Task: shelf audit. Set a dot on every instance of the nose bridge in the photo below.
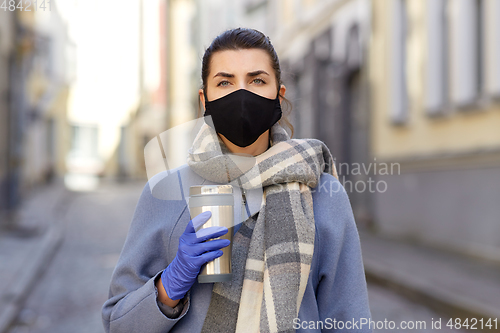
(241, 83)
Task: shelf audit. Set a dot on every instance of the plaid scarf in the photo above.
(272, 251)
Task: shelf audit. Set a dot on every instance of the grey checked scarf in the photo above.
(272, 250)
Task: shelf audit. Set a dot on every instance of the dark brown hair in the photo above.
(244, 38)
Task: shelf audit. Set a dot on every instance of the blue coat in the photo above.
(335, 296)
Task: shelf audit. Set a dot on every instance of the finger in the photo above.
(210, 232)
(198, 221)
(190, 228)
(213, 245)
(209, 256)
(201, 219)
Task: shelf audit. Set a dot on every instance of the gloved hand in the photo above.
(193, 252)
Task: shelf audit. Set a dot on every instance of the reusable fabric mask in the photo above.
(243, 116)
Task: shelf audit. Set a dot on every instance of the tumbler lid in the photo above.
(210, 189)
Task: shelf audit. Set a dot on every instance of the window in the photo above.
(466, 51)
(399, 91)
(436, 88)
(492, 47)
(479, 45)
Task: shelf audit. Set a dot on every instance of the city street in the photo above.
(377, 93)
(68, 298)
(386, 304)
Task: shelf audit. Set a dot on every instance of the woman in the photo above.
(296, 260)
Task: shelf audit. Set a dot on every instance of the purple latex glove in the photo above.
(194, 251)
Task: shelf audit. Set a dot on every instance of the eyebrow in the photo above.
(251, 74)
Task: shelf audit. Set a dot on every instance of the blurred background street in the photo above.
(405, 93)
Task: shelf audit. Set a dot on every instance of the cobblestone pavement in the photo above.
(68, 298)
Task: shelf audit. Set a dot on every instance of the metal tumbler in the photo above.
(219, 200)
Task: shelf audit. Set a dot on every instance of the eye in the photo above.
(259, 81)
(222, 83)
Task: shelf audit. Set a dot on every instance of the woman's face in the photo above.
(248, 69)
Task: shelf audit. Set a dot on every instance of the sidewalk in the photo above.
(27, 250)
(448, 283)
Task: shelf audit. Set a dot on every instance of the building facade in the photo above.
(8, 188)
(34, 85)
(435, 81)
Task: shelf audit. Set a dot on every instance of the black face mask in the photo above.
(243, 116)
